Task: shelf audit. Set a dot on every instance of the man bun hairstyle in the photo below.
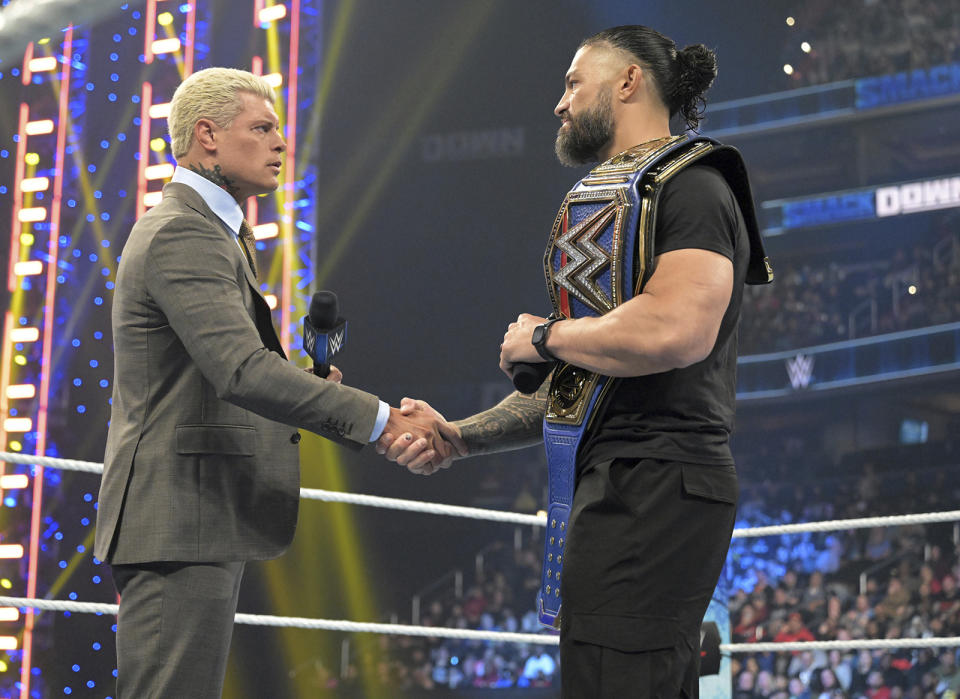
(696, 70)
(681, 77)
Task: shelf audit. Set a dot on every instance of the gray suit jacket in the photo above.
(202, 462)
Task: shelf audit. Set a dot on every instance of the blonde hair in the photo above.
(210, 94)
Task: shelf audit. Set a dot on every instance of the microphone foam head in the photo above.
(324, 309)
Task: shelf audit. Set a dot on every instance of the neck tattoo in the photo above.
(217, 177)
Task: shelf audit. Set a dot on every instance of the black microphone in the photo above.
(527, 377)
(324, 331)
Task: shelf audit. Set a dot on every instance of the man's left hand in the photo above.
(517, 346)
(335, 375)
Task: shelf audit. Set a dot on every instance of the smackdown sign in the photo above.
(783, 215)
(925, 195)
(908, 86)
(830, 101)
(830, 208)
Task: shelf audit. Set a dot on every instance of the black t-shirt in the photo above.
(684, 415)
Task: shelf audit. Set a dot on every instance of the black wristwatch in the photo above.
(539, 339)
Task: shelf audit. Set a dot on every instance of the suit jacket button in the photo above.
(295, 438)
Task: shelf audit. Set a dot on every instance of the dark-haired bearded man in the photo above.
(645, 268)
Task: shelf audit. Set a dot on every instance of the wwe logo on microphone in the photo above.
(800, 371)
(323, 345)
(335, 341)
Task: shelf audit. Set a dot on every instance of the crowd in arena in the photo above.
(814, 304)
(871, 583)
(500, 599)
(872, 37)
(901, 582)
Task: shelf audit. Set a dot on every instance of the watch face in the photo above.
(537, 337)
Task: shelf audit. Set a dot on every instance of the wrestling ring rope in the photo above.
(498, 516)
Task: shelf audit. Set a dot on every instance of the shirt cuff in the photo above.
(382, 416)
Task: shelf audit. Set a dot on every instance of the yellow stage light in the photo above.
(158, 172)
(39, 127)
(14, 481)
(35, 184)
(17, 424)
(28, 268)
(158, 144)
(21, 390)
(24, 335)
(161, 46)
(152, 199)
(160, 111)
(11, 551)
(266, 230)
(32, 214)
(42, 64)
(272, 13)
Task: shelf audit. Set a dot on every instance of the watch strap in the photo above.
(541, 344)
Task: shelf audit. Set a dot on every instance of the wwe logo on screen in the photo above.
(335, 341)
(800, 371)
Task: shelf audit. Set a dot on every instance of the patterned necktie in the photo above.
(249, 244)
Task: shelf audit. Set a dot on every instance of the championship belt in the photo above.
(599, 256)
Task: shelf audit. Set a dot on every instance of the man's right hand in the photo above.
(418, 437)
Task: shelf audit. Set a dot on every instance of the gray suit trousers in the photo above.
(174, 628)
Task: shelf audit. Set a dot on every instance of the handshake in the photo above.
(418, 437)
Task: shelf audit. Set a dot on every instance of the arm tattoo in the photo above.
(515, 422)
(217, 177)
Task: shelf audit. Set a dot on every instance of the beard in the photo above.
(586, 135)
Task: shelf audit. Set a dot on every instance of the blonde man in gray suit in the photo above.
(202, 464)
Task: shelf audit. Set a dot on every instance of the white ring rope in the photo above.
(432, 508)
(305, 623)
(473, 635)
(50, 462)
(516, 517)
(860, 644)
(498, 516)
(317, 494)
(832, 525)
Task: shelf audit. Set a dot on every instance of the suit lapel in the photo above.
(262, 318)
